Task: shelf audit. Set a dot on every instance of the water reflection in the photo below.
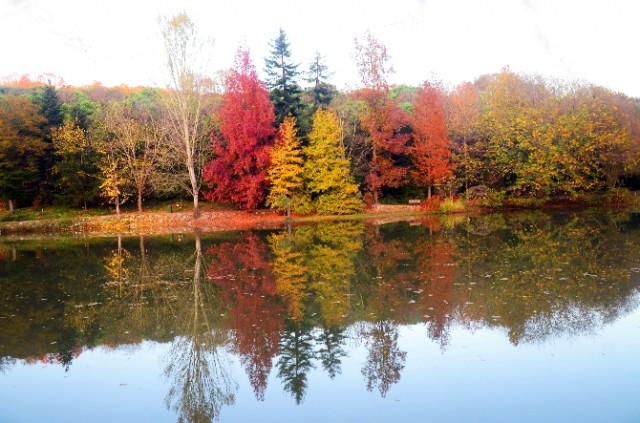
(299, 299)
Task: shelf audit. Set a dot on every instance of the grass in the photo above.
(49, 213)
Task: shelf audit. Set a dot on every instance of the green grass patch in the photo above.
(48, 213)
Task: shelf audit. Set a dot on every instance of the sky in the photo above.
(119, 42)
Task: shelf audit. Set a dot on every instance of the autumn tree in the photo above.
(285, 172)
(463, 112)
(242, 146)
(383, 121)
(282, 79)
(184, 101)
(326, 168)
(76, 168)
(21, 148)
(134, 135)
(430, 151)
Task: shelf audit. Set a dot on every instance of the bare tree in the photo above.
(187, 140)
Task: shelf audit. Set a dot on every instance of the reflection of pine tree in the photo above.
(296, 352)
(331, 341)
(385, 359)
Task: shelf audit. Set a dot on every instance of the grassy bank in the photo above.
(176, 216)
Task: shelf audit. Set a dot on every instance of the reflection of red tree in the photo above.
(248, 285)
(395, 278)
(435, 264)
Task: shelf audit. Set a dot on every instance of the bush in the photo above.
(492, 199)
(452, 205)
(432, 204)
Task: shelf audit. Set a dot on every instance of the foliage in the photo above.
(327, 170)
(77, 166)
(282, 80)
(285, 172)
(430, 151)
(383, 120)
(242, 149)
(21, 149)
(132, 138)
(452, 205)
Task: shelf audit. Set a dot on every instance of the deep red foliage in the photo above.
(242, 146)
(430, 152)
(248, 285)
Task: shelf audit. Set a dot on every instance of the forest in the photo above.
(296, 143)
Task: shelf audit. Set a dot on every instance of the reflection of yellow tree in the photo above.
(331, 266)
(385, 359)
(115, 263)
(198, 367)
(290, 273)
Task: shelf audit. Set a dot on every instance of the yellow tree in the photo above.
(326, 168)
(286, 167)
(77, 166)
(134, 137)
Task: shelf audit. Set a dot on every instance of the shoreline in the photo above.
(158, 223)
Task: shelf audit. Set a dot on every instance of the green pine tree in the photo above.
(282, 80)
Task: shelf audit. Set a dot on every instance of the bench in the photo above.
(414, 202)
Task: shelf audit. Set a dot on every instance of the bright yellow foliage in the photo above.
(327, 170)
(285, 172)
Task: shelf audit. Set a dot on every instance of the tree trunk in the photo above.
(118, 205)
(11, 206)
(196, 206)
(288, 211)
(140, 200)
(429, 192)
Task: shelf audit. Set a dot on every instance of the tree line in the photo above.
(295, 142)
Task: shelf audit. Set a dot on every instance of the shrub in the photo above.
(452, 205)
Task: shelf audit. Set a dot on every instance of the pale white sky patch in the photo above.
(119, 41)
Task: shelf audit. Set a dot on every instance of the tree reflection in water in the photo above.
(243, 271)
(385, 360)
(198, 364)
(300, 297)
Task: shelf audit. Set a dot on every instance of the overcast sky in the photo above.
(116, 41)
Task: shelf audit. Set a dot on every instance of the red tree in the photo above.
(383, 120)
(430, 152)
(242, 148)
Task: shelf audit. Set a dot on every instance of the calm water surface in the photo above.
(497, 318)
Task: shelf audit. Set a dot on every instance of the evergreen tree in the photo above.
(51, 109)
(327, 170)
(286, 168)
(321, 92)
(282, 80)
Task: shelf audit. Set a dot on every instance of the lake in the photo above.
(499, 318)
